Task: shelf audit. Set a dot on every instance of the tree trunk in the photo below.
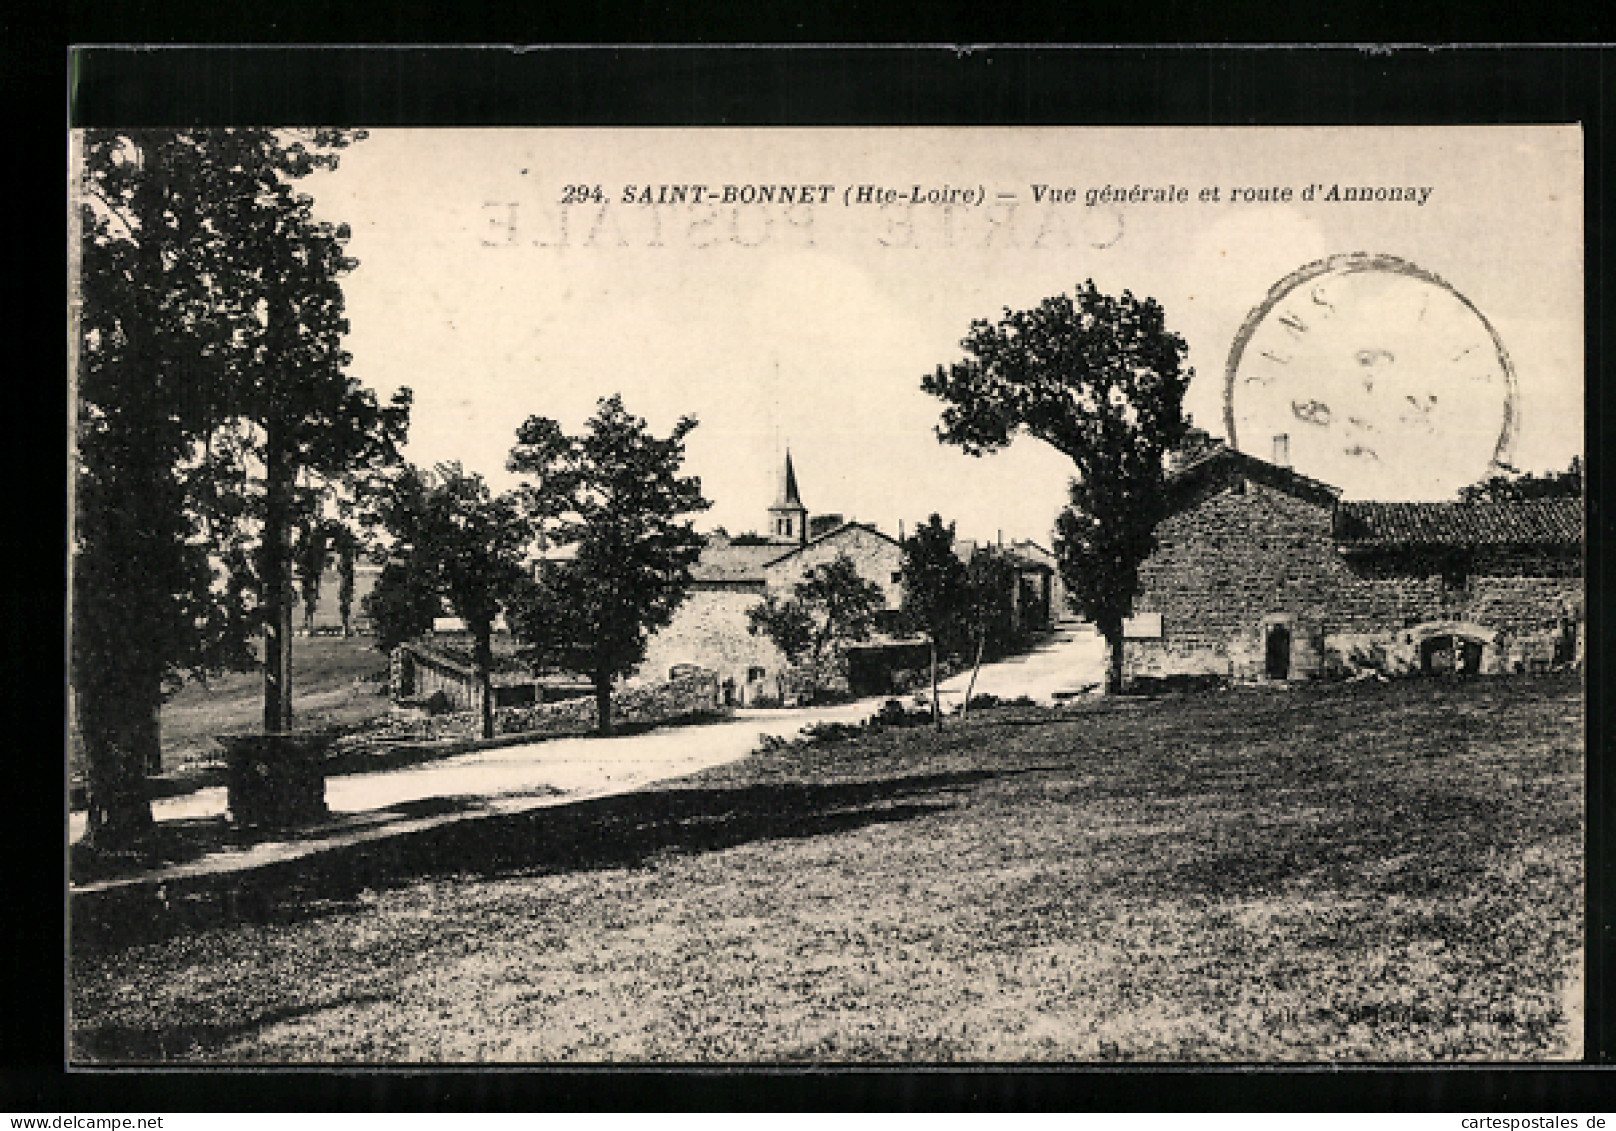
(936, 706)
(118, 592)
(976, 670)
(152, 739)
(277, 580)
(603, 703)
(485, 680)
(345, 591)
(115, 728)
(1112, 631)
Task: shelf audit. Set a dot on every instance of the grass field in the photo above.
(1345, 873)
(336, 681)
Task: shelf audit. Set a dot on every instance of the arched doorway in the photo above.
(1448, 647)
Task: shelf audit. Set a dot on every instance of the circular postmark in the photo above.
(1385, 380)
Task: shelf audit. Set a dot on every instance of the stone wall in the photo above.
(710, 627)
(1240, 562)
(647, 703)
(696, 694)
(431, 676)
(710, 631)
(878, 559)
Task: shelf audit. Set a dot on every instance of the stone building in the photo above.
(1039, 598)
(1037, 595)
(731, 577)
(1264, 573)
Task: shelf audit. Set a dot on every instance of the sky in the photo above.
(811, 326)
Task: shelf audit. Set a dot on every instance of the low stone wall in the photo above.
(696, 694)
(650, 703)
(1398, 653)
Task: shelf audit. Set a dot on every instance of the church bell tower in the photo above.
(788, 518)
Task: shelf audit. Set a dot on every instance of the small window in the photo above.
(897, 576)
(753, 674)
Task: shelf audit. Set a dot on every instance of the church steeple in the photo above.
(788, 518)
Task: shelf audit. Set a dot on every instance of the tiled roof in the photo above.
(734, 563)
(1530, 522)
(737, 564)
(1029, 555)
(1199, 463)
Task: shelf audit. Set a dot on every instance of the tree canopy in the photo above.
(611, 507)
(1513, 487)
(207, 301)
(831, 607)
(1102, 380)
(936, 586)
(456, 544)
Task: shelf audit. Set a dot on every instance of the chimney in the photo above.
(1282, 450)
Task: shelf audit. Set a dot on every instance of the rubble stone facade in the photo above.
(710, 629)
(1256, 576)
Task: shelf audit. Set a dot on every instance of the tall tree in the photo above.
(989, 613)
(936, 594)
(613, 508)
(192, 253)
(461, 545)
(311, 553)
(1100, 379)
(306, 413)
(347, 547)
(831, 607)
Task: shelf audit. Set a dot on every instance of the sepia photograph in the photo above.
(1053, 595)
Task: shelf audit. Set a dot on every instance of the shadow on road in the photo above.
(622, 831)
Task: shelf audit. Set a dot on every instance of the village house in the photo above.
(1264, 573)
(1037, 594)
(710, 629)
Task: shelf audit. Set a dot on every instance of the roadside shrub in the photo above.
(830, 732)
(1168, 684)
(438, 703)
(891, 712)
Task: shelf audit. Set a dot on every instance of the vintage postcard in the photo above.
(734, 596)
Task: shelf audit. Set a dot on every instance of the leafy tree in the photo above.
(786, 623)
(402, 605)
(457, 544)
(147, 341)
(207, 300)
(936, 595)
(989, 611)
(168, 277)
(311, 553)
(831, 607)
(1509, 488)
(612, 505)
(1101, 380)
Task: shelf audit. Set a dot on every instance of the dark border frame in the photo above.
(905, 86)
